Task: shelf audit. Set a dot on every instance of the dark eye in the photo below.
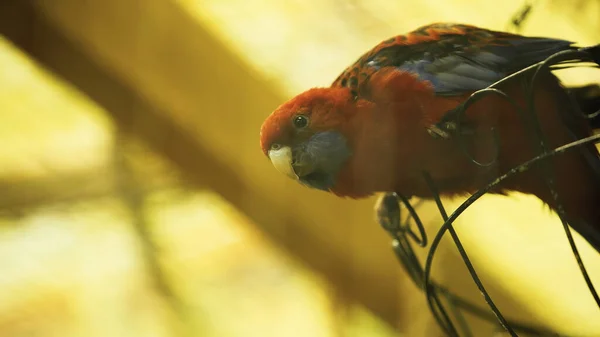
(275, 146)
(300, 121)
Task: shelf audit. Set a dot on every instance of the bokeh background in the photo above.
(135, 201)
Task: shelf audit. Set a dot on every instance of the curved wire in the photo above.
(474, 98)
(406, 255)
(388, 214)
(516, 170)
(550, 181)
(452, 125)
(592, 115)
(421, 240)
(538, 139)
(465, 257)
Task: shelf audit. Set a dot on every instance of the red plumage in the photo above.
(386, 102)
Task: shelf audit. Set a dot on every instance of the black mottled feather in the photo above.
(455, 58)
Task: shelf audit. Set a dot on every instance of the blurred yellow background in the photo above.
(135, 200)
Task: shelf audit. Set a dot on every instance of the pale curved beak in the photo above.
(282, 160)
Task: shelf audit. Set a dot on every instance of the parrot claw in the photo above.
(444, 132)
(387, 209)
(447, 130)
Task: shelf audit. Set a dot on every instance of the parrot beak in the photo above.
(282, 160)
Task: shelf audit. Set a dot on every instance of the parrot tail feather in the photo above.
(594, 51)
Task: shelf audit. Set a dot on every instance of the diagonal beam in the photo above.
(297, 230)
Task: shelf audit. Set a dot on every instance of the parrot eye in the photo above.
(300, 121)
(275, 146)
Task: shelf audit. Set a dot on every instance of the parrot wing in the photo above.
(456, 59)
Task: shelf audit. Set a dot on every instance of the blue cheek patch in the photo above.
(328, 152)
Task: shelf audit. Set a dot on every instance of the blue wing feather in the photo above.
(455, 59)
(460, 72)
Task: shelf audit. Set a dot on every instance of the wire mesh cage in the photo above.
(408, 232)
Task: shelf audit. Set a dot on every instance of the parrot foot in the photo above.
(387, 210)
(447, 130)
(444, 131)
(451, 125)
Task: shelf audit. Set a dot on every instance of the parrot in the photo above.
(378, 127)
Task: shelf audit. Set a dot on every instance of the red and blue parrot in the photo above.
(370, 131)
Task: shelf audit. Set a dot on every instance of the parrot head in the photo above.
(307, 137)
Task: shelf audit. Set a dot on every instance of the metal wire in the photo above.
(520, 17)
(450, 316)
